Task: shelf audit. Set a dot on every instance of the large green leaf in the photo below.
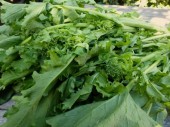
(12, 12)
(119, 111)
(24, 113)
(44, 108)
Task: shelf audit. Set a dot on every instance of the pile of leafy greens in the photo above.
(70, 66)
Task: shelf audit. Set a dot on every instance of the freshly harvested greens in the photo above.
(70, 66)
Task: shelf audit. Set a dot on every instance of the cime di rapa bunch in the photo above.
(65, 65)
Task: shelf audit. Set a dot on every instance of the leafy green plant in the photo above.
(89, 67)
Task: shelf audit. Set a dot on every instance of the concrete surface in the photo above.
(167, 122)
(160, 17)
(2, 120)
(3, 109)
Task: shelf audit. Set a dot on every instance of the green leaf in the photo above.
(43, 110)
(82, 59)
(86, 90)
(139, 98)
(67, 89)
(57, 15)
(21, 65)
(70, 13)
(27, 104)
(12, 12)
(158, 113)
(154, 92)
(166, 80)
(33, 25)
(65, 2)
(119, 111)
(33, 10)
(5, 29)
(102, 84)
(10, 76)
(10, 41)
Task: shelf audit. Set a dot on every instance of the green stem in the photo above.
(154, 54)
(150, 56)
(150, 68)
(153, 44)
(149, 109)
(131, 84)
(128, 29)
(111, 17)
(156, 37)
(141, 24)
(26, 40)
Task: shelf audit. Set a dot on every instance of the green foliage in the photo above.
(143, 3)
(89, 67)
(99, 115)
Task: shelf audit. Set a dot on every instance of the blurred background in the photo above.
(138, 3)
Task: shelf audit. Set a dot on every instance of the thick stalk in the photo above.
(156, 37)
(131, 84)
(150, 68)
(150, 56)
(92, 12)
(141, 24)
